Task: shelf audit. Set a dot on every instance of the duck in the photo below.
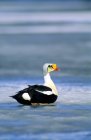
(39, 94)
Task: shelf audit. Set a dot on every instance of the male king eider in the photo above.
(39, 94)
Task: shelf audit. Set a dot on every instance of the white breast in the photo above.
(26, 96)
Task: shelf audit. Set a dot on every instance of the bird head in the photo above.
(47, 68)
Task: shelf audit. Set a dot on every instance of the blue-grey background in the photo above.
(35, 32)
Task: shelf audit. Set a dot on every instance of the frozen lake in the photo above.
(69, 118)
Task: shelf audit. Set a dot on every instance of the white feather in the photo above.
(26, 96)
(45, 92)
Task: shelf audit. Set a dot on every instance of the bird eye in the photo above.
(50, 66)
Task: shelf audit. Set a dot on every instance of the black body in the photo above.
(36, 95)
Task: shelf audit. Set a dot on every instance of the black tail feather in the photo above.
(13, 96)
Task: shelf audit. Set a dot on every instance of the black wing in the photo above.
(32, 88)
(39, 97)
(40, 87)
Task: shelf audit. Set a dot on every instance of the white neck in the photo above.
(47, 78)
(49, 83)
